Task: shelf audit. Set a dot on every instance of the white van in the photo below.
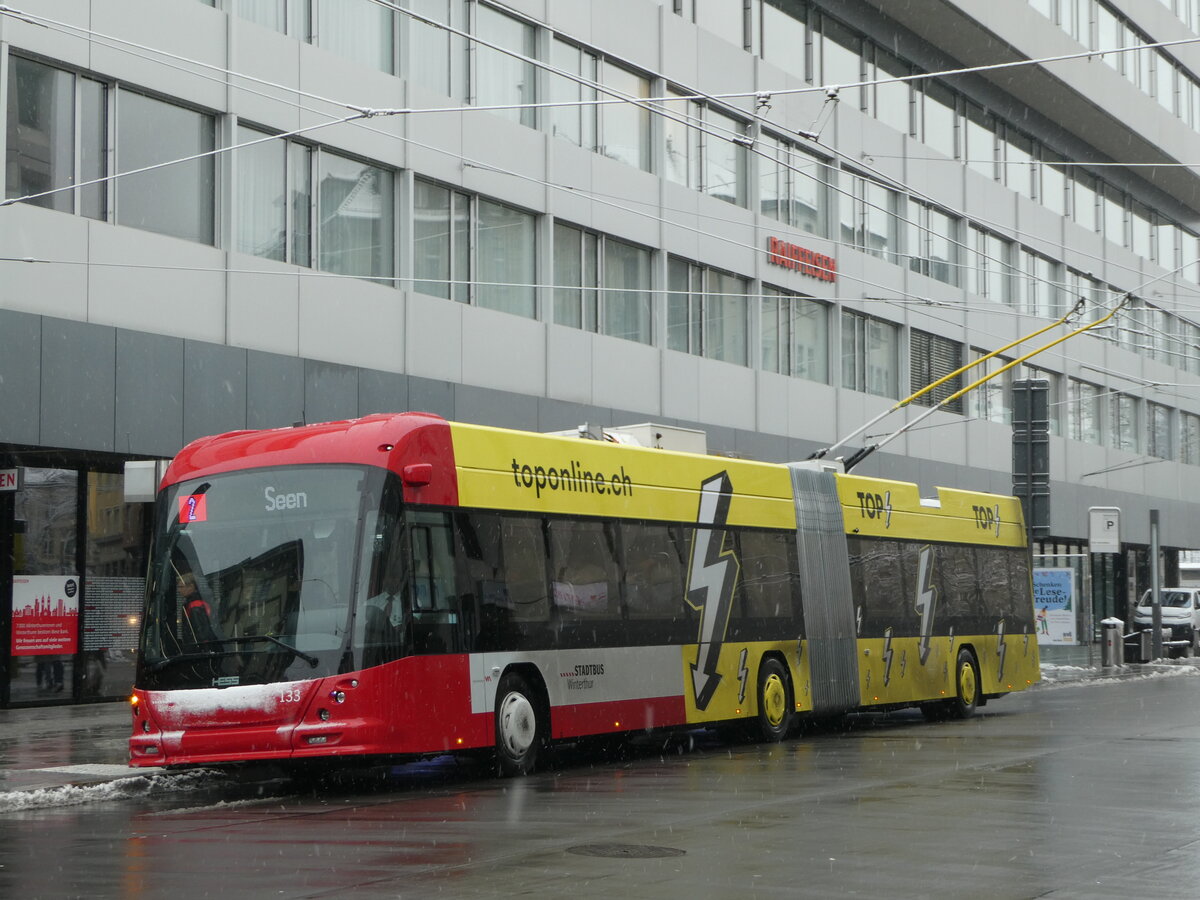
(1180, 616)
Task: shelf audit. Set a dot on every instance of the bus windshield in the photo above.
(252, 576)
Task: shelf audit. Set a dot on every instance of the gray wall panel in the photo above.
(482, 406)
(561, 415)
(149, 400)
(78, 384)
(330, 392)
(274, 390)
(20, 377)
(214, 389)
(431, 396)
(381, 392)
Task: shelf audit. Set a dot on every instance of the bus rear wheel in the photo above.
(967, 686)
(775, 706)
(520, 726)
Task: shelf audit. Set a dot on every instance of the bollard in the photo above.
(1112, 642)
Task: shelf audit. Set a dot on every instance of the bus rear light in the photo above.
(323, 714)
(316, 739)
(148, 750)
(337, 696)
(145, 726)
(458, 741)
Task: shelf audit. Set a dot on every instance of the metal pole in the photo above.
(1155, 596)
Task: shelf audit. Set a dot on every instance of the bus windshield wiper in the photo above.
(256, 638)
(212, 654)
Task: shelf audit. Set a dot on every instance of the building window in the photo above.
(56, 133)
(870, 220)
(979, 140)
(785, 35)
(1083, 411)
(1038, 285)
(707, 312)
(360, 30)
(499, 79)
(505, 242)
(870, 354)
(356, 218)
(1123, 427)
(795, 335)
(931, 358)
(601, 284)
(474, 250)
(932, 242)
(429, 54)
(991, 275)
(722, 18)
(274, 197)
(838, 61)
(176, 198)
(441, 241)
(991, 400)
(793, 186)
(1158, 431)
(618, 130)
(1189, 438)
(892, 101)
(938, 119)
(705, 149)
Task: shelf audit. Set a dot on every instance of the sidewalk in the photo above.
(63, 746)
(55, 746)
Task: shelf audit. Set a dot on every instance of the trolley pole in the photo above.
(1155, 597)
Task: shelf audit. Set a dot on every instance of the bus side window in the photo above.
(767, 567)
(584, 582)
(654, 573)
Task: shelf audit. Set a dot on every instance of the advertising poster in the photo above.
(45, 614)
(1054, 605)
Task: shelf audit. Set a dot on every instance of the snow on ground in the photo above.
(1077, 676)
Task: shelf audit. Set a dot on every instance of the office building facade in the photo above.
(770, 220)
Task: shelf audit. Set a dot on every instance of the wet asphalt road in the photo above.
(1089, 790)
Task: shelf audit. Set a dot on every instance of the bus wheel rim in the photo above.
(966, 683)
(518, 724)
(774, 700)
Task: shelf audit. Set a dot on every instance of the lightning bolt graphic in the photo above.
(997, 520)
(743, 675)
(711, 578)
(887, 505)
(1001, 648)
(926, 600)
(887, 657)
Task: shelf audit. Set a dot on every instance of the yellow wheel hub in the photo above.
(966, 683)
(774, 700)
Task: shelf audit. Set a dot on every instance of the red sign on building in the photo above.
(801, 259)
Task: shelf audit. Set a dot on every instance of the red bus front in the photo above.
(295, 606)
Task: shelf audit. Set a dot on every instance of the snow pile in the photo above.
(120, 789)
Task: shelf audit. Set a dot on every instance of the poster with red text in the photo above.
(45, 614)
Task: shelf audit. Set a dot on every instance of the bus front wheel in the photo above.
(520, 729)
(774, 700)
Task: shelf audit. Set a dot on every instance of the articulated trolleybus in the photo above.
(400, 585)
